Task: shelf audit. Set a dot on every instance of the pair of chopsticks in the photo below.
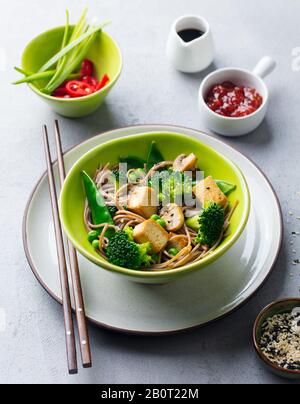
(63, 271)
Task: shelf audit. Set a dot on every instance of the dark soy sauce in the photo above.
(189, 35)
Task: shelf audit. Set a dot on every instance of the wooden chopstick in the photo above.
(66, 300)
(75, 274)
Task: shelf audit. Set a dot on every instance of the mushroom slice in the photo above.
(173, 216)
(185, 163)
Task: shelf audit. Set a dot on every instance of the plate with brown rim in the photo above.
(192, 301)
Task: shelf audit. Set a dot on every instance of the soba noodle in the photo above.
(190, 253)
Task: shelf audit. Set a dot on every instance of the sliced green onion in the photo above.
(42, 76)
(71, 46)
(80, 26)
(70, 67)
(36, 76)
(65, 38)
(22, 71)
(62, 61)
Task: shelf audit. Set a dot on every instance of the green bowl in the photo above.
(171, 145)
(277, 307)
(104, 53)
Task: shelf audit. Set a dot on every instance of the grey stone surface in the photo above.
(32, 346)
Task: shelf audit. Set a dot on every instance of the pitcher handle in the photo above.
(264, 67)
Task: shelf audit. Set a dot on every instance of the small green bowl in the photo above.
(104, 53)
(277, 307)
(171, 145)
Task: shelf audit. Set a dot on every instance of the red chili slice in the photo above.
(60, 92)
(76, 88)
(90, 80)
(103, 82)
(87, 68)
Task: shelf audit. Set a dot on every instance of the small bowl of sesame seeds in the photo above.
(276, 336)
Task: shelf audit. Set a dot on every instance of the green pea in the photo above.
(173, 251)
(155, 217)
(161, 222)
(93, 235)
(95, 244)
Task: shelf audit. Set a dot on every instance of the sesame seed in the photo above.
(280, 341)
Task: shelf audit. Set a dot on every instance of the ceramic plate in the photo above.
(192, 301)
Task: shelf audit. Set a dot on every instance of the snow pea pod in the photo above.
(154, 156)
(225, 187)
(99, 211)
(132, 162)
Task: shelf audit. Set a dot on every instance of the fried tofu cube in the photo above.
(152, 232)
(143, 201)
(208, 191)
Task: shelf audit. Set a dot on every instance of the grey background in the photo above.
(32, 345)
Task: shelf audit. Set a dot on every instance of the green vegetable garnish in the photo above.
(93, 235)
(95, 244)
(225, 187)
(99, 211)
(132, 162)
(125, 253)
(154, 156)
(86, 36)
(112, 210)
(62, 61)
(193, 222)
(31, 77)
(211, 224)
(129, 232)
(161, 222)
(173, 251)
(173, 185)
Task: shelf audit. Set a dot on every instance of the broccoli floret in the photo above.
(112, 210)
(129, 232)
(120, 176)
(193, 222)
(211, 222)
(125, 253)
(172, 185)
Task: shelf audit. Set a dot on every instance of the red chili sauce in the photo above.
(233, 101)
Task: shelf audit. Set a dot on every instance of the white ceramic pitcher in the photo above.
(193, 56)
